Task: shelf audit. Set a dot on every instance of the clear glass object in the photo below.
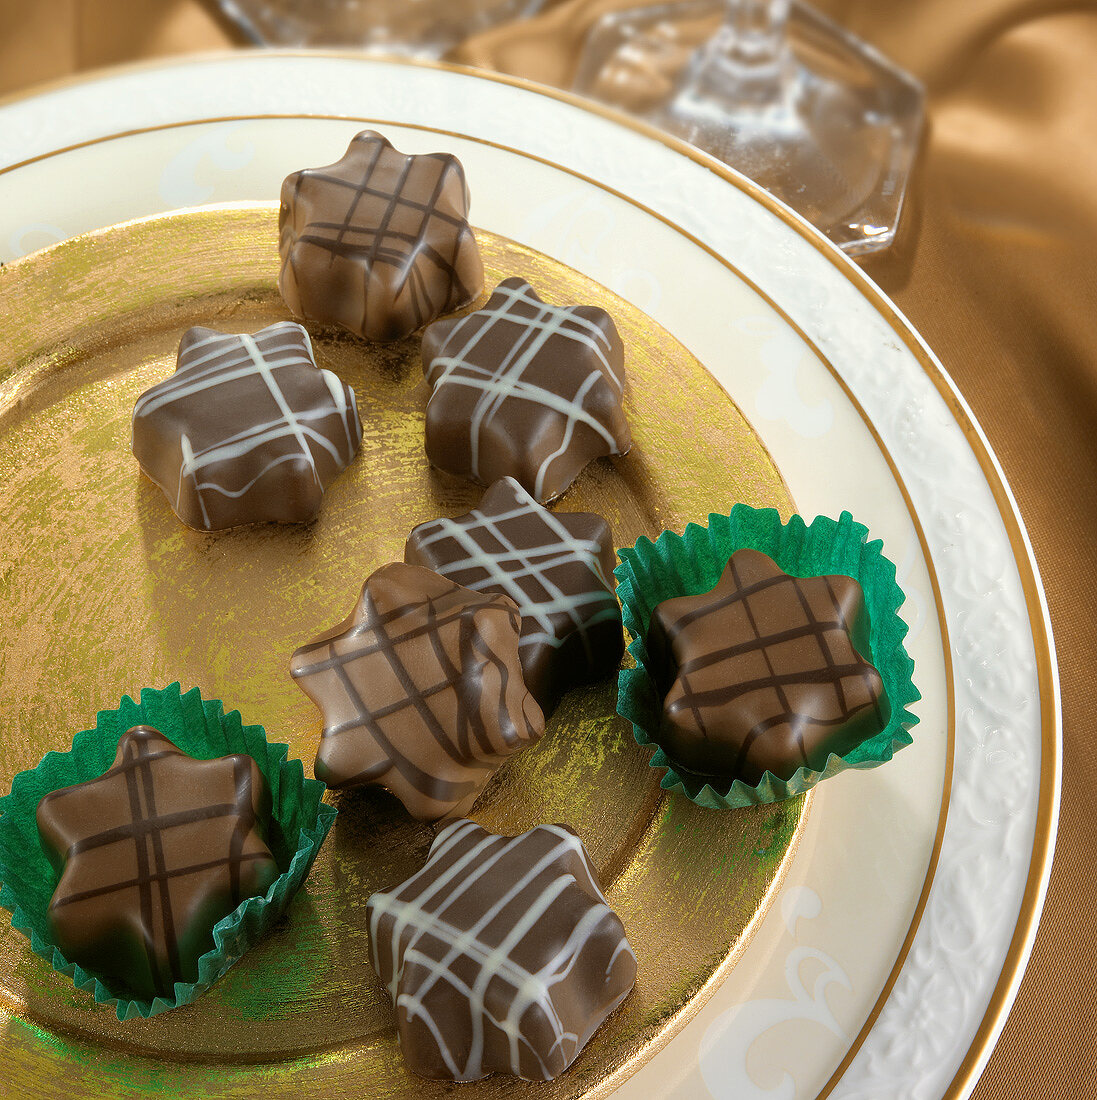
(777, 91)
(410, 28)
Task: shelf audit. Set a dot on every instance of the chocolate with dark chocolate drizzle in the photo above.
(378, 242)
(761, 673)
(153, 853)
(421, 691)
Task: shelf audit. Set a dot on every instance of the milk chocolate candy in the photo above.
(421, 691)
(378, 242)
(501, 955)
(558, 569)
(761, 673)
(524, 389)
(247, 428)
(153, 853)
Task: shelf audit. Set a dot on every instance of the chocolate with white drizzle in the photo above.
(247, 428)
(761, 672)
(378, 242)
(153, 853)
(421, 691)
(558, 569)
(525, 389)
(501, 955)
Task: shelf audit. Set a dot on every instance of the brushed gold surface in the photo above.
(103, 591)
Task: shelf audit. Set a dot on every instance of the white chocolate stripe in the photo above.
(192, 380)
(220, 358)
(550, 317)
(261, 365)
(506, 380)
(533, 562)
(527, 391)
(556, 969)
(196, 370)
(494, 962)
(565, 442)
(185, 468)
(339, 398)
(382, 901)
(465, 1073)
(259, 434)
(492, 563)
(233, 494)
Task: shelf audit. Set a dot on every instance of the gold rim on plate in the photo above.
(1039, 620)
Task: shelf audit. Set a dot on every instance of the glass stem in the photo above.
(748, 60)
(754, 31)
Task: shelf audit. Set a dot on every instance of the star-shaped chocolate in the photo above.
(247, 428)
(378, 242)
(524, 389)
(153, 853)
(762, 674)
(501, 955)
(558, 569)
(421, 691)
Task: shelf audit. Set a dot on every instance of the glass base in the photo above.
(401, 28)
(830, 127)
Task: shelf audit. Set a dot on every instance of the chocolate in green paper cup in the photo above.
(200, 728)
(691, 563)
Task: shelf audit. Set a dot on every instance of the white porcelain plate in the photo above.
(888, 961)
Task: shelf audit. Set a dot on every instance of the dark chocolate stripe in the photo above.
(369, 625)
(136, 746)
(363, 189)
(780, 719)
(359, 191)
(808, 630)
(376, 250)
(382, 231)
(387, 647)
(387, 635)
(245, 822)
(398, 197)
(420, 243)
(416, 777)
(118, 769)
(147, 828)
(828, 655)
(378, 713)
(454, 674)
(381, 238)
(503, 715)
(169, 873)
(147, 825)
(726, 693)
(742, 593)
(167, 914)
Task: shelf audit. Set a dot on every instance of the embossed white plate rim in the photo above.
(34, 127)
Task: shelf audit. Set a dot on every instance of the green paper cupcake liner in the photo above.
(691, 563)
(201, 728)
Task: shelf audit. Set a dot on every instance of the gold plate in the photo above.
(104, 592)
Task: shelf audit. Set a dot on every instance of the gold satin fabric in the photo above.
(994, 265)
